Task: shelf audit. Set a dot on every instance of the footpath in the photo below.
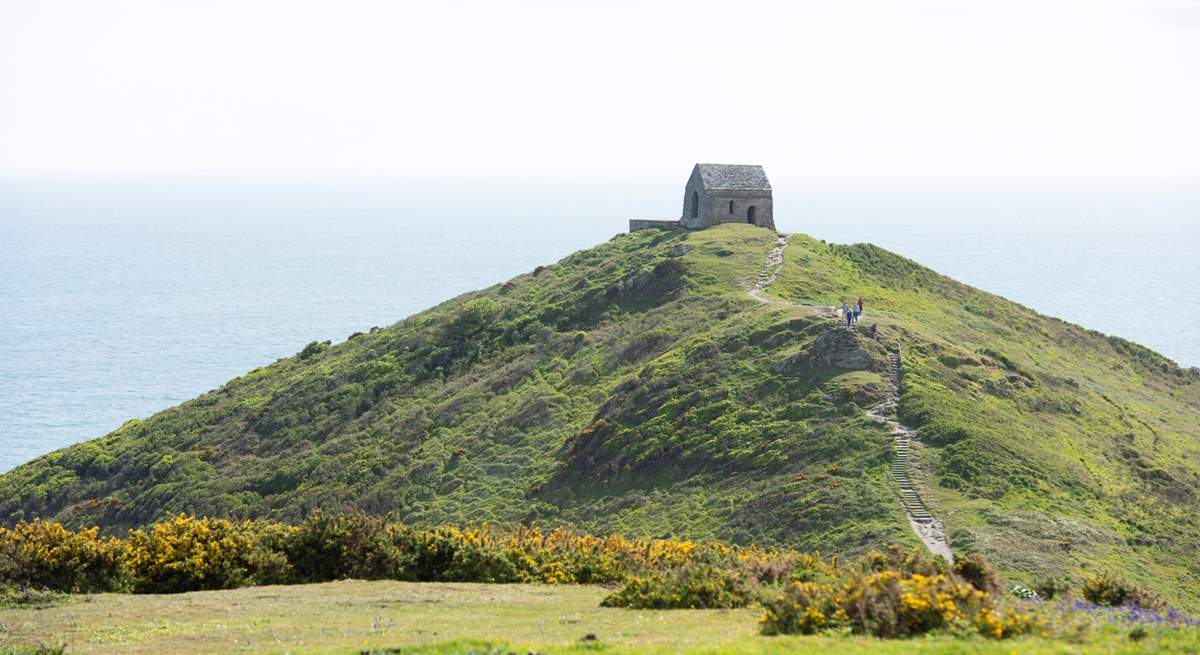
(928, 529)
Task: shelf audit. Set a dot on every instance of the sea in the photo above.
(120, 298)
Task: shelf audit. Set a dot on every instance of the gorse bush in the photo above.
(455, 555)
(47, 555)
(333, 547)
(715, 576)
(906, 561)
(1106, 589)
(885, 604)
(892, 594)
(975, 569)
(1004, 623)
(187, 553)
(696, 586)
(1052, 587)
(890, 605)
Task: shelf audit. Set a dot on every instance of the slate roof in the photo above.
(733, 176)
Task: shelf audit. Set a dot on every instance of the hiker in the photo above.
(848, 313)
(858, 312)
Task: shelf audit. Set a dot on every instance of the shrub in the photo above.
(906, 561)
(468, 555)
(475, 317)
(313, 349)
(771, 568)
(698, 586)
(803, 608)
(1050, 588)
(1106, 589)
(563, 556)
(891, 593)
(334, 547)
(29, 597)
(185, 553)
(887, 604)
(48, 555)
(975, 569)
(1004, 623)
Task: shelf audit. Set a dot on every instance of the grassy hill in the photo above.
(635, 387)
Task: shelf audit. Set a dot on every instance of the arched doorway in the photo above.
(750, 215)
(695, 204)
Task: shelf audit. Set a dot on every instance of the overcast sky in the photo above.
(958, 90)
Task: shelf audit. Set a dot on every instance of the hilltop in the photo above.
(637, 387)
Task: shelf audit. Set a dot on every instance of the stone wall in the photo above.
(695, 185)
(718, 207)
(645, 224)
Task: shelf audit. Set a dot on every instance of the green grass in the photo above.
(352, 616)
(1054, 449)
(629, 389)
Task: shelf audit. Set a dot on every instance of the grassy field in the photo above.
(355, 616)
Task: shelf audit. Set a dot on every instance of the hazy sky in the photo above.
(958, 90)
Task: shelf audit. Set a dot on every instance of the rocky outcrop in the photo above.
(666, 276)
(838, 348)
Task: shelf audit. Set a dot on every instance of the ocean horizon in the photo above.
(121, 298)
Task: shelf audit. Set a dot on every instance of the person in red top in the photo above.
(860, 308)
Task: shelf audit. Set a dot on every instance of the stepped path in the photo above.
(927, 528)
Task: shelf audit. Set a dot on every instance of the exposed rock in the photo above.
(837, 348)
(664, 277)
(865, 396)
(679, 250)
(630, 284)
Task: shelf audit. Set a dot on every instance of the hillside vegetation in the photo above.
(636, 388)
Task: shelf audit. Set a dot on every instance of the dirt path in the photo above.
(927, 528)
(770, 270)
